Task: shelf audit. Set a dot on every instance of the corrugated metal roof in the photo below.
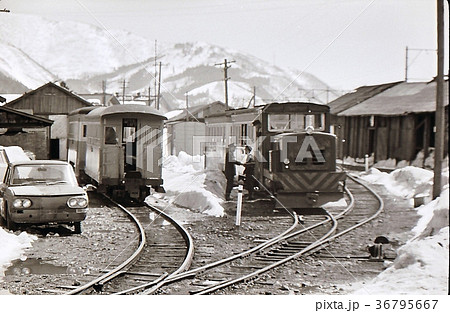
(359, 95)
(400, 99)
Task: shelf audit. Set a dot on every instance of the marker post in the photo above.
(239, 205)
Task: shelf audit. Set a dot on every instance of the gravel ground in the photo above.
(79, 256)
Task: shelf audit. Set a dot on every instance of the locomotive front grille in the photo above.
(309, 181)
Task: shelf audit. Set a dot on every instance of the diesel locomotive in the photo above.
(294, 151)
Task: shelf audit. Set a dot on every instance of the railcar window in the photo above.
(129, 130)
(295, 122)
(110, 135)
(84, 134)
(129, 134)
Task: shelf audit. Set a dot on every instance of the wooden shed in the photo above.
(190, 123)
(53, 102)
(395, 123)
(32, 133)
(338, 122)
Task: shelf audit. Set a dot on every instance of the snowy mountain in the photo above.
(34, 50)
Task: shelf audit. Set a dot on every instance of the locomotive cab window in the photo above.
(295, 122)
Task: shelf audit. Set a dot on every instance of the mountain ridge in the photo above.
(35, 50)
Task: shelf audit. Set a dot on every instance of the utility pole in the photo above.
(440, 116)
(187, 106)
(158, 95)
(253, 99)
(407, 58)
(406, 65)
(156, 57)
(104, 92)
(226, 78)
(123, 91)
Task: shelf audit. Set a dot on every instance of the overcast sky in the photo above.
(345, 43)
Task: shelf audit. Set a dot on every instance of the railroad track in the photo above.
(297, 241)
(163, 248)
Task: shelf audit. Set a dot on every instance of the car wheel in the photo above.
(77, 227)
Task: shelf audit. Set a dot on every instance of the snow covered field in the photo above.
(421, 267)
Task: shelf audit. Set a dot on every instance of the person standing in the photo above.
(230, 169)
(249, 172)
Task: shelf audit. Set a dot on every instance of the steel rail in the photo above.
(283, 236)
(269, 267)
(187, 237)
(315, 245)
(111, 274)
(183, 267)
(217, 263)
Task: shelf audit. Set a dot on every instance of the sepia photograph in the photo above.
(225, 148)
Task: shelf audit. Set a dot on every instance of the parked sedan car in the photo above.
(42, 192)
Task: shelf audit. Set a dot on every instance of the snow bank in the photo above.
(419, 161)
(187, 184)
(12, 246)
(434, 216)
(421, 266)
(405, 182)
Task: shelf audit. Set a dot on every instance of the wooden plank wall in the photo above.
(48, 101)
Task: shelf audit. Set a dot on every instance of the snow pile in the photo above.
(421, 266)
(187, 184)
(12, 246)
(406, 182)
(434, 216)
(419, 161)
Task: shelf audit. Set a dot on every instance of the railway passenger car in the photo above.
(295, 153)
(76, 143)
(118, 148)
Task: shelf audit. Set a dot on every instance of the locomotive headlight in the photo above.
(309, 130)
(286, 161)
(22, 203)
(77, 202)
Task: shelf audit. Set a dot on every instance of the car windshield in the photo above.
(49, 174)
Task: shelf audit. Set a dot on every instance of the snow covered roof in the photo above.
(357, 96)
(198, 112)
(125, 108)
(400, 99)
